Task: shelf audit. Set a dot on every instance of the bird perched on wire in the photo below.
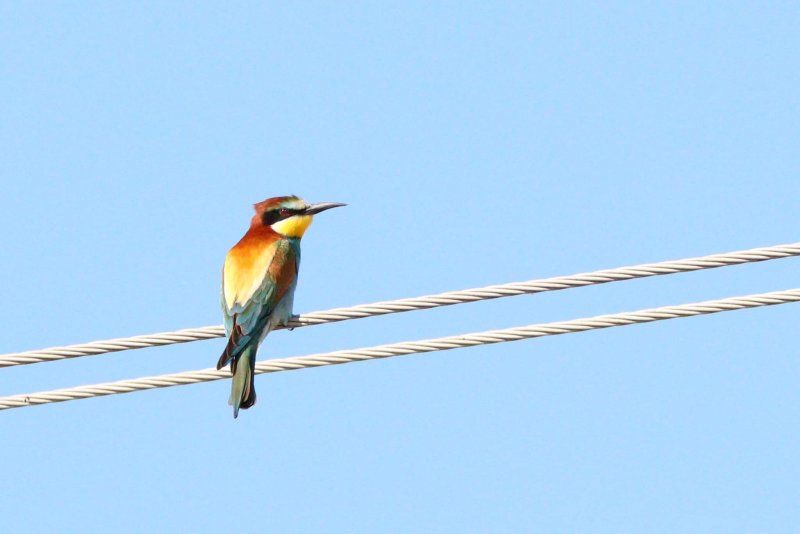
(258, 281)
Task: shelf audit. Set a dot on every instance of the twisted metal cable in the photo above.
(416, 303)
(410, 347)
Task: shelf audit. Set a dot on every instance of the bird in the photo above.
(259, 277)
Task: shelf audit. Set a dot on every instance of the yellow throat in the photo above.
(295, 226)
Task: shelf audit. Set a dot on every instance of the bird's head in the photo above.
(289, 216)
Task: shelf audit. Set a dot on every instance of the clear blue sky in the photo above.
(475, 143)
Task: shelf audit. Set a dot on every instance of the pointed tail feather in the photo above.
(243, 391)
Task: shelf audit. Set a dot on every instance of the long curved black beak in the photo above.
(322, 206)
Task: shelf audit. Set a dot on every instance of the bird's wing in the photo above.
(254, 281)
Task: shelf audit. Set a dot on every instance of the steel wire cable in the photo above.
(416, 303)
(410, 347)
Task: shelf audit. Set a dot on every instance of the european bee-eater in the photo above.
(258, 281)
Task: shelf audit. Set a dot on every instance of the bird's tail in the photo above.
(243, 389)
(243, 364)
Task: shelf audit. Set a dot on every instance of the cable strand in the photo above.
(415, 303)
(410, 347)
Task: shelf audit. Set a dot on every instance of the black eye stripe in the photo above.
(274, 215)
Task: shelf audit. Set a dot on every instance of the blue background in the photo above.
(475, 143)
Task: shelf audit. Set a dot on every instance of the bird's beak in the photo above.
(322, 206)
